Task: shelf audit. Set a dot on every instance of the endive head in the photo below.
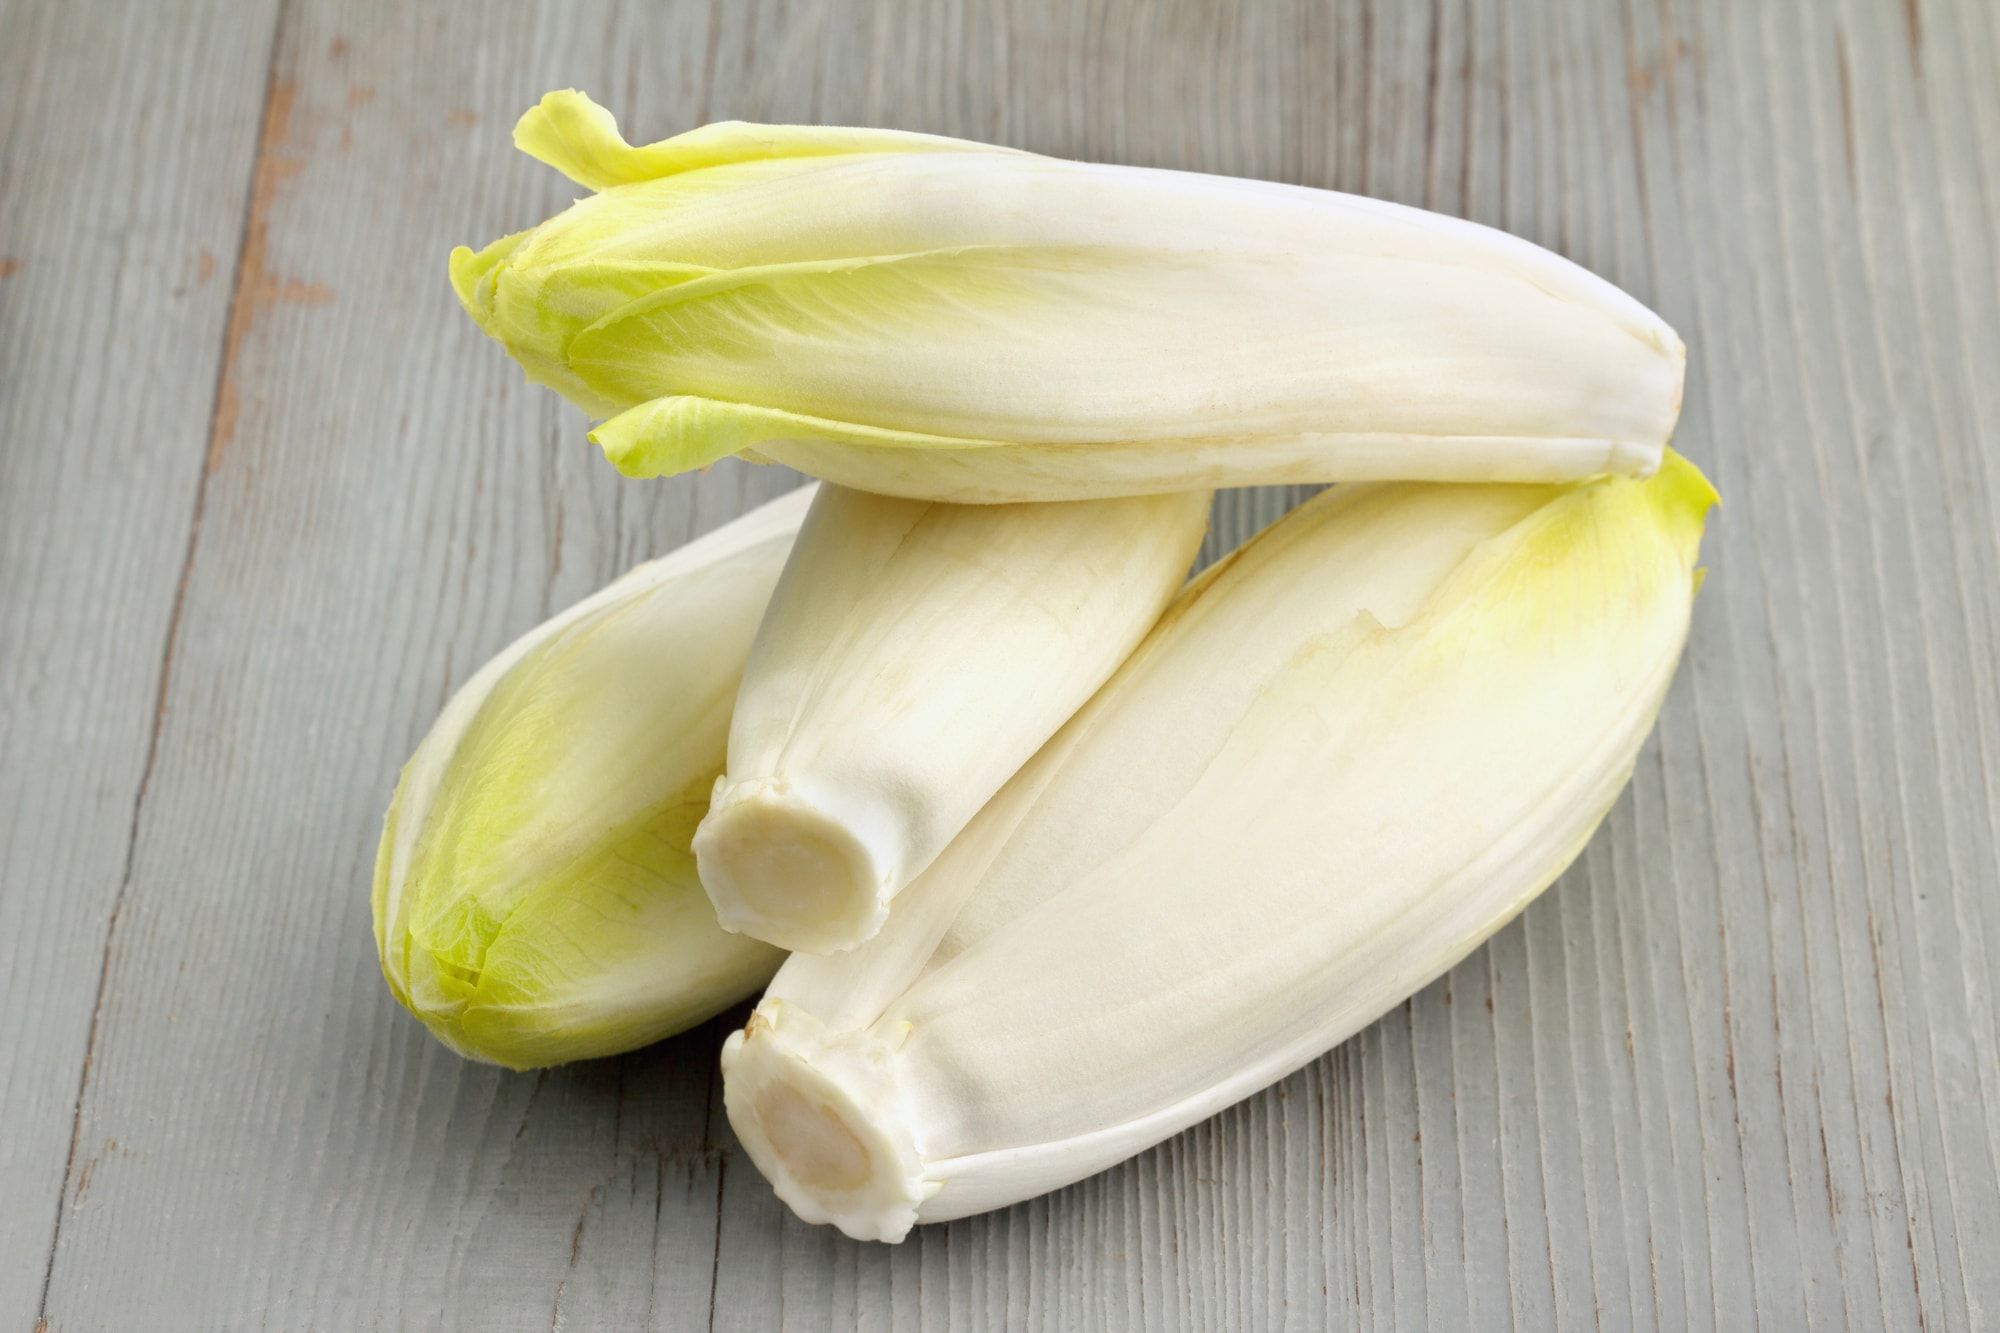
(941, 319)
(535, 897)
(1342, 759)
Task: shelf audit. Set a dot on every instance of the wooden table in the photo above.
(266, 496)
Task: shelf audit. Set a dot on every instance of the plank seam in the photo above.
(721, 1177)
(165, 674)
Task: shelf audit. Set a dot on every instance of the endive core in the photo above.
(778, 867)
(823, 1116)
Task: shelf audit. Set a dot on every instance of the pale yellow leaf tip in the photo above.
(474, 273)
(1681, 496)
(579, 138)
(663, 437)
(682, 432)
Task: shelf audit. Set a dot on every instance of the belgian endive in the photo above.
(915, 655)
(1340, 761)
(535, 896)
(929, 317)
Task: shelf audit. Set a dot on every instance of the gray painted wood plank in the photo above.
(369, 540)
(1740, 1066)
(122, 180)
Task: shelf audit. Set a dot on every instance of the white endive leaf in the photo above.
(946, 320)
(915, 654)
(535, 897)
(1341, 760)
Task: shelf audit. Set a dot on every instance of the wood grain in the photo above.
(1740, 1067)
(122, 187)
